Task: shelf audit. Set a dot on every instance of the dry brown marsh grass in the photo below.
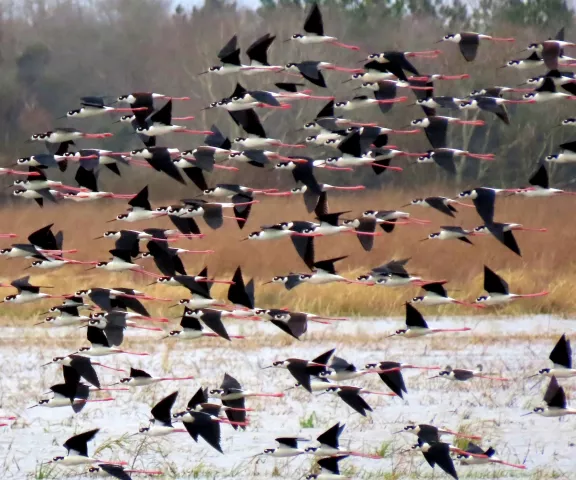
(547, 262)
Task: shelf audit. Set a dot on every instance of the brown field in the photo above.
(547, 262)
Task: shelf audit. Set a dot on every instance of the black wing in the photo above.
(540, 177)
(249, 121)
(354, 400)
(213, 320)
(162, 410)
(313, 23)
(493, 283)
(561, 354)
(469, 43)
(97, 337)
(84, 367)
(436, 132)
(141, 200)
(414, 318)
(79, 443)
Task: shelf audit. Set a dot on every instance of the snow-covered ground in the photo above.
(509, 347)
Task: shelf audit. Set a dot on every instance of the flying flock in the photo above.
(108, 313)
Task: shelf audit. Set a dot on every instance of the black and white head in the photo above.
(471, 194)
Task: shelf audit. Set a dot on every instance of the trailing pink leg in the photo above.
(478, 123)
(482, 156)
(223, 167)
(344, 45)
(195, 132)
(97, 135)
(360, 454)
(423, 53)
(393, 100)
(515, 465)
(531, 295)
(109, 368)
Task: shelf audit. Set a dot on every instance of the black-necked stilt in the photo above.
(495, 105)
(340, 370)
(484, 199)
(71, 393)
(118, 471)
(551, 51)
(314, 31)
(561, 357)
(449, 232)
(311, 70)
(397, 61)
(438, 453)
(67, 316)
(77, 448)
(391, 374)
(351, 396)
(294, 324)
(229, 56)
(567, 154)
(27, 292)
(468, 42)
(388, 219)
(436, 128)
(93, 106)
(201, 424)
(140, 209)
(192, 329)
(324, 272)
(514, 227)
(442, 204)
(100, 345)
(431, 433)
(65, 134)
(436, 295)
(161, 421)
(546, 92)
(303, 370)
(160, 123)
(463, 374)
(391, 274)
(287, 447)
(118, 298)
(435, 102)
(489, 457)
(499, 292)
(416, 326)
(541, 185)
(329, 444)
(555, 399)
(257, 53)
(232, 394)
(83, 365)
(140, 378)
(363, 101)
